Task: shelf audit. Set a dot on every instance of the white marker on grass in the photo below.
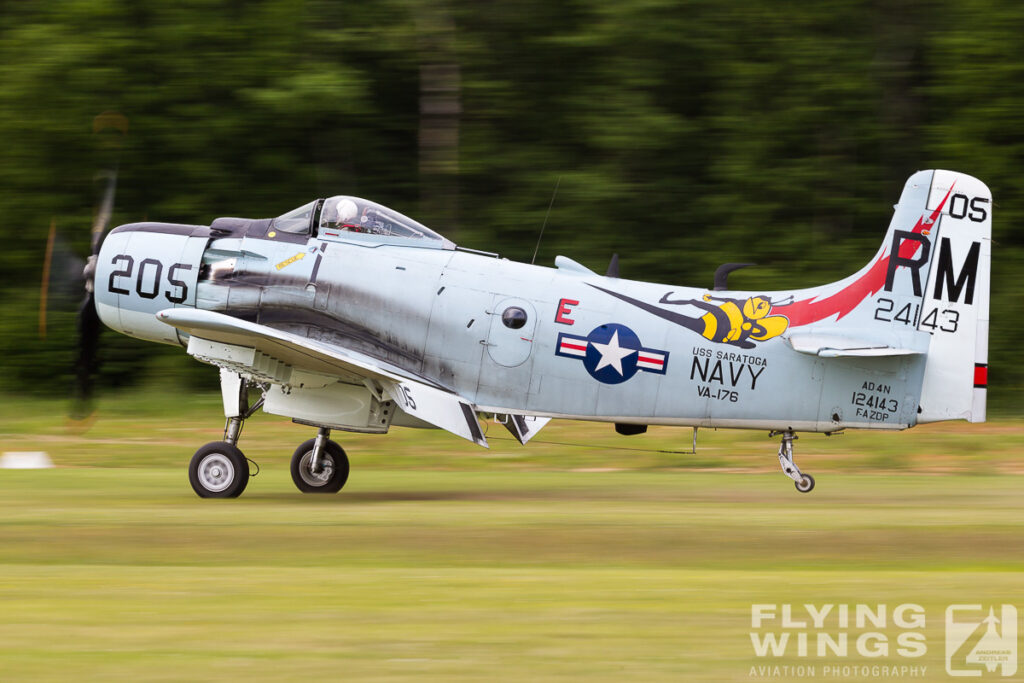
(25, 460)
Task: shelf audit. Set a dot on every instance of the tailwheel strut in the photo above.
(804, 482)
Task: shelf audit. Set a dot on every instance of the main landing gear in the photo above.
(220, 470)
(804, 482)
(320, 465)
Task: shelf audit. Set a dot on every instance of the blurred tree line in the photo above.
(680, 134)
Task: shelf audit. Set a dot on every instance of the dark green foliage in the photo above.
(684, 134)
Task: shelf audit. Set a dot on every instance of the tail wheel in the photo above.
(331, 474)
(218, 470)
(806, 483)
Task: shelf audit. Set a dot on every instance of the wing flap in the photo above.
(438, 407)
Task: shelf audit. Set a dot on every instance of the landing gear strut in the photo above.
(320, 465)
(804, 482)
(219, 469)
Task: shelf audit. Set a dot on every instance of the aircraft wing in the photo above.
(281, 357)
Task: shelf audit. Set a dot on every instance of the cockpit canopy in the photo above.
(347, 217)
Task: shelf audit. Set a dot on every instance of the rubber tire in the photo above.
(341, 467)
(809, 488)
(238, 462)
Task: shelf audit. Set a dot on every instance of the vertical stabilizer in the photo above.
(956, 300)
(926, 291)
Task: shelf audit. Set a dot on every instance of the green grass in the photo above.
(548, 562)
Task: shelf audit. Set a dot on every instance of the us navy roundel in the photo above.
(612, 353)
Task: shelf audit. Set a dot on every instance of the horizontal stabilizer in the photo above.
(839, 346)
(867, 352)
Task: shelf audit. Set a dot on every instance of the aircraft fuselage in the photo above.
(588, 349)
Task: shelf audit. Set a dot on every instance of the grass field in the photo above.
(442, 561)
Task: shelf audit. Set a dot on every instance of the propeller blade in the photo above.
(115, 126)
(44, 289)
(111, 120)
(102, 221)
(85, 363)
(61, 283)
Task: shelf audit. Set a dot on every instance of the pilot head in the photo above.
(347, 211)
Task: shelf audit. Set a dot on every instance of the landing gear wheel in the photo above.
(218, 470)
(806, 483)
(333, 468)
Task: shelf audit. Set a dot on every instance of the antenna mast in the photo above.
(544, 225)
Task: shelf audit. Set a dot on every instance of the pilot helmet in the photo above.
(347, 211)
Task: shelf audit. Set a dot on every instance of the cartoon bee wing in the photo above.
(770, 326)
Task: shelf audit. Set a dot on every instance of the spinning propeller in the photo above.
(114, 127)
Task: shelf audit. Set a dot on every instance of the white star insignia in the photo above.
(612, 354)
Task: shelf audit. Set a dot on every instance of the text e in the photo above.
(564, 309)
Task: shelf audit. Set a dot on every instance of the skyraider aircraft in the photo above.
(346, 315)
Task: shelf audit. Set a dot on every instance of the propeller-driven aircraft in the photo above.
(346, 315)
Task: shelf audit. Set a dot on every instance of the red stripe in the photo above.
(570, 345)
(650, 359)
(844, 301)
(980, 376)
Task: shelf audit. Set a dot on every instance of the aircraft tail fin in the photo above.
(926, 291)
(955, 309)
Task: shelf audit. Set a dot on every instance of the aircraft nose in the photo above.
(143, 268)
